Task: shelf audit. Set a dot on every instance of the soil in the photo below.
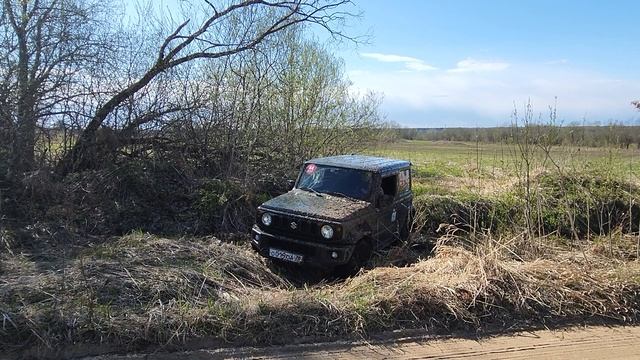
(593, 342)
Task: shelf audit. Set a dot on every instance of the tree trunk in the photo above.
(24, 142)
(80, 156)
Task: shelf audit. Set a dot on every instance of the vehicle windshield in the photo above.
(335, 181)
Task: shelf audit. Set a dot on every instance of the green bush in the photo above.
(465, 211)
(227, 204)
(214, 194)
(579, 203)
(569, 206)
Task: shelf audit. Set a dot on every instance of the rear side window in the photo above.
(404, 181)
(390, 185)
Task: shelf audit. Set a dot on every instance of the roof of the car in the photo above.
(361, 162)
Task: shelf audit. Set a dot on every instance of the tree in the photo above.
(62, 62)
(46, 47)
(264, 111)
(236, 28)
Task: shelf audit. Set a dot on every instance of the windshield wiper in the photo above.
(310, 190)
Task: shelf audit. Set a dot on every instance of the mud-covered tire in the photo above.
(359, 258)
(405, 230)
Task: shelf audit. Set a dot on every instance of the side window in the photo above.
(404, 181)
(390, 185)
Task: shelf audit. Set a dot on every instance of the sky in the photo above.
(468, 63)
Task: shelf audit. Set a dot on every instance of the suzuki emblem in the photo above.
(294, 225)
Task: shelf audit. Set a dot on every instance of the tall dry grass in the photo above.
(146, 291)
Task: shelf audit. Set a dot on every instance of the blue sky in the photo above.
(466, 63)
(453, 63)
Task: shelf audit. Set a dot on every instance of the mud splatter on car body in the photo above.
(340, 210)
(328, 207)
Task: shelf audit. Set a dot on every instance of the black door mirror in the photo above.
(291, 183)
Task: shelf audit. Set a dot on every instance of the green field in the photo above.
(442, 167)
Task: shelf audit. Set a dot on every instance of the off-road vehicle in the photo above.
(340, 209)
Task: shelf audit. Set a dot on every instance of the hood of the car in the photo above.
(322, 206)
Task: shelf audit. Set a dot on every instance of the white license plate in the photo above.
(285, 255)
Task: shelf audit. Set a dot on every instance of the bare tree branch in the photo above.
(287, 14)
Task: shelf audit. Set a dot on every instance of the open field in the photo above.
(564, 252)
(446, 167)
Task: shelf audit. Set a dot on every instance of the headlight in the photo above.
(266, 219)
(326, 231)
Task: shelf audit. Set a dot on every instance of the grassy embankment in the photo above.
(574, 260)
(567, 192)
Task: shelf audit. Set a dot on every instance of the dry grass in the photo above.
(468, 287)
(143, 290)
(126, 291)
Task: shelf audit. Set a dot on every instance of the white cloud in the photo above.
(419, 66)
(472, 65)
(426, 98)
(390, 57)
(411, 63)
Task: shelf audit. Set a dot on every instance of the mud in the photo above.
(305, 203)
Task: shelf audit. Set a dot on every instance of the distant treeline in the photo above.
(595, 136)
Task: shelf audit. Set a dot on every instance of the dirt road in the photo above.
(581, 343)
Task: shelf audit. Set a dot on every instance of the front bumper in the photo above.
(313, 253)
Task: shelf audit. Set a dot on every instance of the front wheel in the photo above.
(359, 258)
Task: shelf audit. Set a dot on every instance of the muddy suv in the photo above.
(340, 209)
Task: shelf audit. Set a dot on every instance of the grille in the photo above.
(304, 229)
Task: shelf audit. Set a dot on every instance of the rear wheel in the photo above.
(405, 229)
